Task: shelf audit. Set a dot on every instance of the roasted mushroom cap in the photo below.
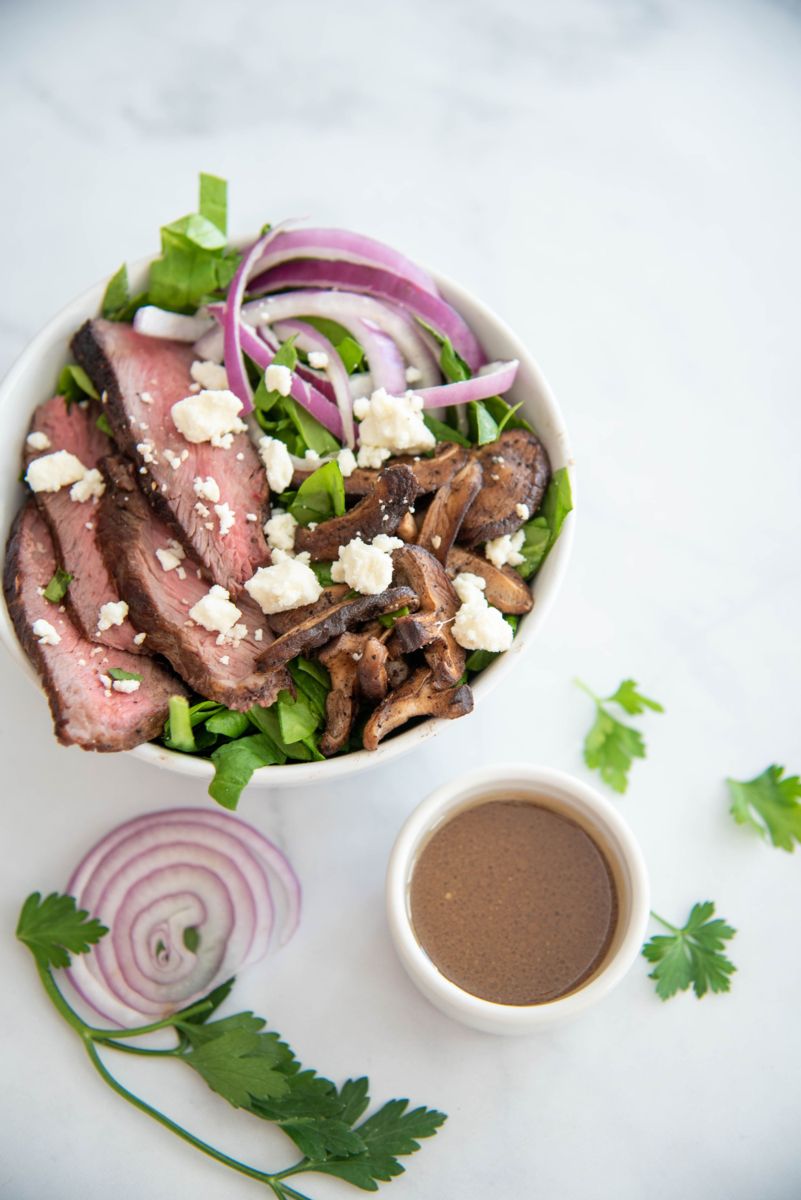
(430, 473)
(505, 589)
(282, 622)
(419, 696)
(429, 629)
(516, 473)
(372, 668)
(447, 510)
(407, 529)
(381, 512)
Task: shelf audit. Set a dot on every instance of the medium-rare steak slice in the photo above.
(88, 710)
(72, 523)
(380, 512)
(220, 668)
(141, 379)
(516, 473)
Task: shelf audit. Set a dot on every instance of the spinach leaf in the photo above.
(228, 723)
(445, 433)
(234, 764)
(541, 533)
(195, 264)
(320, 496)
(75, 385)
(480, 659)
(56, 589)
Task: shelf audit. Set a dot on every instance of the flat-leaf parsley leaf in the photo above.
(771, 804)
(611, 746)
(691, 955)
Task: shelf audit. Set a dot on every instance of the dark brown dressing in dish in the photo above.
(513, 902)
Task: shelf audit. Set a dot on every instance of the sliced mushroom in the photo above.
(447, 510)
(284, 621)
(429, 629)
(320, 628)
(393, 494)
(372, 669)
(516, 473)
(505, 589)
(430, 473)
(419, 696)
(407, 529)
(356, 663)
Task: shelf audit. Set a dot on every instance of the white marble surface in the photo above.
(621, 181)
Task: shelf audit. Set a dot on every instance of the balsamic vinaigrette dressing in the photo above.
(513, 902)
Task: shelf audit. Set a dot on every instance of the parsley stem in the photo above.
(140, 1030)
(666, 924)
(111, 1044)
(580, 684)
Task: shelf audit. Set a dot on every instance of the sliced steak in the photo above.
(446, 512)
(317, 630)
(430, 473)
(419, 696)
(73, 524)
(505, 589)
(380, 512)
(516, 472)
(87, 711)
(160, 601)
(140, 378)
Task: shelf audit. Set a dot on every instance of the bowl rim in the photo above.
(63, 323)
(434, 811)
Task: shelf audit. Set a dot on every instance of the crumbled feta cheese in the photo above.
(145, 397)
(207, 489)
(390, 425)
(318, 359)
(240, 456)
(147, 450)
(280, 530)
(89, 525)
(209, 375)
(170, 556)
(312, 456)
(252, 517)
(209, 416)
(225, 659)
(88, 488)
(288, 583)
(105, 681)
(127, 685)
(54, 471)
(215, 612)
(277, 463)
(226, 517)
(523, 511)
(366, 568)
(38, 441)
(45, 633)
(201, 508)
(112, 613)
(506, 549)
(278, 379)
(139, 639)
(413, 374)
(258, 634)
(181, 573)
(172, 458)
(347, 461)
(476, 625)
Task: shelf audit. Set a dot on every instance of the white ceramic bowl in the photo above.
(590, 810)
(32, 379)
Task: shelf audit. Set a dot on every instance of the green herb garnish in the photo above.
(246, 1064)
(691, 955)
(541, 533)
(56, 589)
(611, 746)
(771, 804)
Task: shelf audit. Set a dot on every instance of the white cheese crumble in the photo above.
(347, 461)
(215, 612)
(523, 511)
(45, 633)
(172, 458)
(367, 568)
(225, 659)
(54, 471)
(209, 416)
(89, 488)
(139, 639)
(112, 613)
(258, 634)
(280, 531)
(170, 556)
(312, 457)
(413, 374)
(318, 359)
(201, 508)
(390, 425)
(207, 489)
(506, 549)
(210, 375)
(288, 583)
(226, 517)
(126, 685)
(278, 379)
(38, 441)
(145, 397)
(147, 450)
(476, 625)
(277, 463)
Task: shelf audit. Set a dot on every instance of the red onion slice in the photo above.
(494, 380)
(158, 876)
(344, 246)
(310, 339)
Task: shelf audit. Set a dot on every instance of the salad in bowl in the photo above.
(282, 506)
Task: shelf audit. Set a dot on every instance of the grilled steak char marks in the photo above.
(516, 471)
(380, 512)
(72, 524)
(83, 714)
(160, 601)
(126, 366)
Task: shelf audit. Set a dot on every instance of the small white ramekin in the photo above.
(571, 797)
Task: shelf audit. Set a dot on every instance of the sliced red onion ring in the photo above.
(158, 323)
(238, 381)
(310, 339)
(159, 876)
(377, 282)
(211, 347)
(343, 246)
(494, 380)
(315, 378)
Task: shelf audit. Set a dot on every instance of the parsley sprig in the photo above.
(691, 954)
(770, 803)
(611, 746)
(245, 1063)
